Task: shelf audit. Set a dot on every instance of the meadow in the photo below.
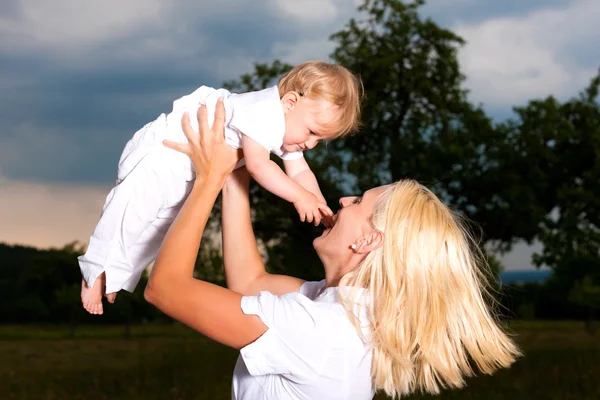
(561, 362)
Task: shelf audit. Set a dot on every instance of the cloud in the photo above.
(512, 59)
(79, 78)
(310, 10)
(448, 13)
(67, 25)
(48, 215)
(519, 257)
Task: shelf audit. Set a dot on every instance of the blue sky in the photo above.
(78, 78)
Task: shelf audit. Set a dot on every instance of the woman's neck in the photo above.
(336, 269)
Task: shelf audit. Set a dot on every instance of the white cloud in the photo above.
(315, 43)
(309, 10)
(305, 50)
(510, 60)
(48, 215)
(69, 23)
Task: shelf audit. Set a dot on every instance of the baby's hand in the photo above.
(310, 208)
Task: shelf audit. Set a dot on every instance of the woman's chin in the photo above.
(321, 236)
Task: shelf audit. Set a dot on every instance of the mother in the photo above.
(401, 307)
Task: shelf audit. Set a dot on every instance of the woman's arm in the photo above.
(244, 269)
(207, 308)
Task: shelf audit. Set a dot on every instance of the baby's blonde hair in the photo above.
(429, 320)
(318, 80)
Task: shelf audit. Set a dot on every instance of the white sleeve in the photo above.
(259, 116)
(292, 156)
(311, 288)
(297, 342)
(131, 207)
(255, 128)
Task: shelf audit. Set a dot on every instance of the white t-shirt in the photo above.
(310, 351)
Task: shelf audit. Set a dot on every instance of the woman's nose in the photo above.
(344, 201)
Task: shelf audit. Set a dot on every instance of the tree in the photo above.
(571, 233)
(586, 292)
(418, 123)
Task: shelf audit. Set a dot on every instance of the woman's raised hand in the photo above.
(213, 159)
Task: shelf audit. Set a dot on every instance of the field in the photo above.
(562, 362)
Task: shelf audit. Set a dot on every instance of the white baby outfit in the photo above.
(154, 181)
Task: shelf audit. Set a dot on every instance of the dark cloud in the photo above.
(9, 9)
(89, 106)
(70, 110)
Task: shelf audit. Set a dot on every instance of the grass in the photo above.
(561, 362)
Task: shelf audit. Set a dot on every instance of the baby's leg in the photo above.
(144, 252)
(141, 254)
(131, 208)
(92, 263)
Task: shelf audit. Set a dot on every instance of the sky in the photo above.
(78, 78)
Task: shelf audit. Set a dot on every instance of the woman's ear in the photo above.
(289, 101)
(369, 243)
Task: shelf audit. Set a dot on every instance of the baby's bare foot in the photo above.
(91, 297)
(111, 297)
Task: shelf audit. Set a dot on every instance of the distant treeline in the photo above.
(43, 286)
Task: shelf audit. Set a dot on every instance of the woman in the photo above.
(401, 308)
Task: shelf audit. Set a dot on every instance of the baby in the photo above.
(314, 101)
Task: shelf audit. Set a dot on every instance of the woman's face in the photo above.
(350, 224)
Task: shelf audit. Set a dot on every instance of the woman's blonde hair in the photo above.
(318, 80)
(429, 319)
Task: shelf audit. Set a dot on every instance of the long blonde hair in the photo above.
(428, 310)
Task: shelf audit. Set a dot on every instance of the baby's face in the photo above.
(306, 122)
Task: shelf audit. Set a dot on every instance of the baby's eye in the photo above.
(357, 200)
(310, 132)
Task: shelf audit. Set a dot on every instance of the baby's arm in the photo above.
(267, 173)
(299, 171)
(271, 177)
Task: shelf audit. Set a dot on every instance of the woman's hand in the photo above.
(213, 159)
